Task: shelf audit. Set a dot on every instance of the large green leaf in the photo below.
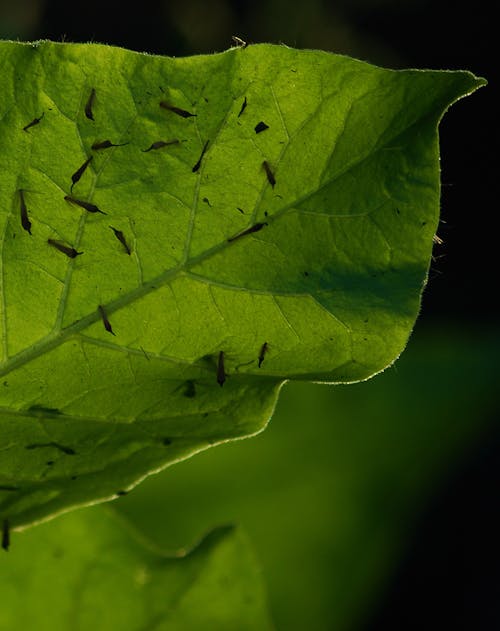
(113, 350)
(85, 572)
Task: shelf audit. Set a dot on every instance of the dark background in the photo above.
(449, 578)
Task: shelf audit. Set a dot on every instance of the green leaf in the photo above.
(86, 571)
(234, 256)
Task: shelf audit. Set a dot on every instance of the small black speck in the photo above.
(265, 213)
(167, 441)
(205, 414)
(121, 493)
(49, 463)
(365, 339)
(74, 477)
(424, 223)
(398, 211)
(306, 273)
(365, 321)
(6, 384)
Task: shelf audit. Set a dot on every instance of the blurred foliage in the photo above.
(88, 571)
(330, 492)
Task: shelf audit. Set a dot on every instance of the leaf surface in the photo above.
(86, 571)
(230, 220)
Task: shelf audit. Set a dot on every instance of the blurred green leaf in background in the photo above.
(88, 570)
(331, 491)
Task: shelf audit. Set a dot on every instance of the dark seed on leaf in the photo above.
(261, 127)
(105, 321)
(121, 238)
(255, 228)
(8, 487)
(270, 175)
(25, 222)
(167, 441)
(207, 201)
(5, 534)
(198, 164)
(262, 353)
(221, 373)
(89, 104)
(91, 208)
(80, 171)
(65, 249)
(176, 110)
(121, 492)
(34, 122)
(243, 107)
(159, 144)
(106, 144)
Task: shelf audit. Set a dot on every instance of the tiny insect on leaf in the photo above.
(80, 171)
(105, 321)
(270, 175)
(221, 373)
(263, 351)
(159, 144)
(91, 208)
(243, 107)
(25, 222)
(255, 228)
(106, 144)
(88, 106)
(176, 110)
(198, 164)
(65, 249)
(121, 238)
(34, 122)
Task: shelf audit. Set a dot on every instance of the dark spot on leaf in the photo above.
(74, 477)
(260, 127)
(166, 441)
(265, 213)
(8, 487)
(121, 493)
(306, 273)
(424, 223)
(49, 463)
(241, 210)
(207, 201)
